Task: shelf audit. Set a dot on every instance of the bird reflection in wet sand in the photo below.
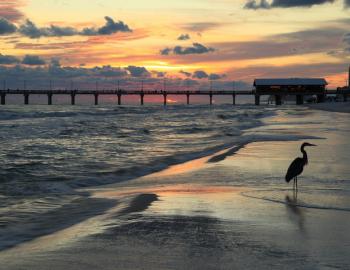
(294, 211)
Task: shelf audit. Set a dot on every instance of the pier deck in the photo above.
(120, 93)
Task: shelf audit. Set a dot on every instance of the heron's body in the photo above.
(297, 166)
(295, 169)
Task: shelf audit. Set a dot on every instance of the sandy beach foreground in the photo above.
(166, 223)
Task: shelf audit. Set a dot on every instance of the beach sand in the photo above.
(206, 215)
(332, 106)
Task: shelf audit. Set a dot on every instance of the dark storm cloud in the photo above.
(197, 48)
(184, 37)
(33, 60)
(111, 27)
(39, 77)
(264, 4)
(138, 71)
(214, 76)
(253, 4)
(9, 10)
(187, 74)
(159, 74)
(200, 74)
(8, 59)
(165, 51)
(29, 29)
(53, 67)
(108, 71)
(7, 27)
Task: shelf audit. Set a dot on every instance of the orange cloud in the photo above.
(9, 9)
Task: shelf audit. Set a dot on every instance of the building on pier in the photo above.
(291, 86)
(298, 87)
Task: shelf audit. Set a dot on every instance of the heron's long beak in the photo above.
(312, 144)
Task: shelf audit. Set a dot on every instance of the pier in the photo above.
(279, 95)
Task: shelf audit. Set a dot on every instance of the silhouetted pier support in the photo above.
(119, 98)
(345, 97)
(188, 98)
(234, 99)
(3, 99)
(72, 98)
(278, 100)
(300, 99)
(257, 100)
(96, 99)
(26, 99)
(165, 98)
(320, 98)
(142, 95)
(211, 98)
(49, 99)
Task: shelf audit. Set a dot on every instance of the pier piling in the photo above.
(211, 98)
(233, 99)
(96, 99)
(3, 99)
(278, 100)
(26, 99)
(257, 100)
(300, 99)
(165, 98)
(119, 98)
(72, 98)
(188, 98)
(320, 98)
(142, 95)
(49, 99)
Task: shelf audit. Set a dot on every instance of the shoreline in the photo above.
(196, 212)
(191, 162)
(339, 107)
(193, 225)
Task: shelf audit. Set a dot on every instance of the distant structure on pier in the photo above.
(298, 87)
(292, 85)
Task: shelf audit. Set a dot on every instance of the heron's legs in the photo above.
(296, 182)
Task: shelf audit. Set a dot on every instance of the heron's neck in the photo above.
(304, 156)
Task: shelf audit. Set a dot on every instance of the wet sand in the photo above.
(343, 107)
(206, 215)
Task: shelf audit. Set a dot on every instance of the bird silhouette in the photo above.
(297, 166)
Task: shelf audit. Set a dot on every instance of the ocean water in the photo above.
(48, 154)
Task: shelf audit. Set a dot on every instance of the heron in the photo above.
(297, 166)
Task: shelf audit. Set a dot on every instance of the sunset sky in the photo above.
(182, 40)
